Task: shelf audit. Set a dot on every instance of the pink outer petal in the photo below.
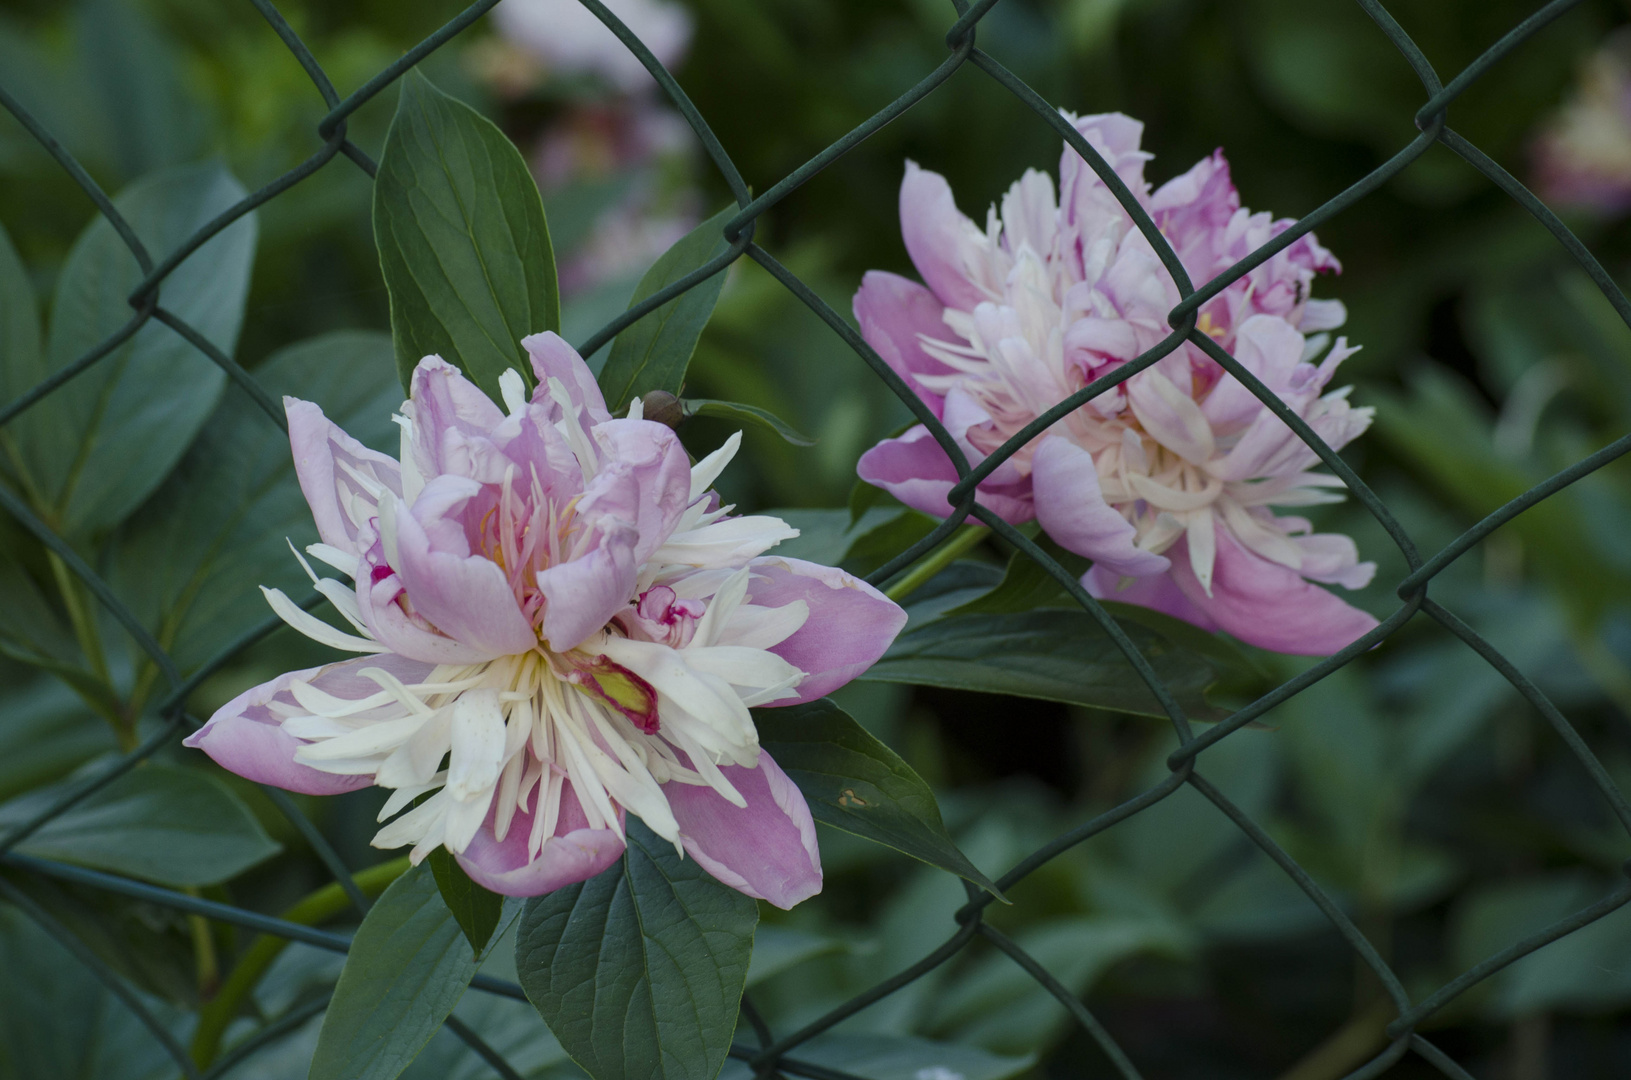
(892, 312)
(850, 623)
(1158, 592)
(1070, 506)
(468, 598)
(914, 469)
(316, 441)
(766, 850)
(1268, 605)
(553, 357)
(575, 853)
(933, 230)
(243, 737)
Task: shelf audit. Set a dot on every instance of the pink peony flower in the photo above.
(1583, 152)
(1169, 481)
(558, 626)
(567, 37)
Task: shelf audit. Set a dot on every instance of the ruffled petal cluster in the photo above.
(1171, 481)
(558, 625)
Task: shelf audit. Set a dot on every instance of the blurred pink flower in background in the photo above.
(1583, 152)
(566, 38)
(610, 130)
(1168, 482)
(553, 603)
(630, 141)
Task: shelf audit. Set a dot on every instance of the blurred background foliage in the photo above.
(1415, 785)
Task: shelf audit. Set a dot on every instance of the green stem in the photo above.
(79, 613)
(937, 560)
(1347, 1047)
(324, 904)
(207, 961)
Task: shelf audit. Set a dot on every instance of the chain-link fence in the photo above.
(779, 1053)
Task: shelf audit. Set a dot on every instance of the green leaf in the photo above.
(99, 445)
(860, 545)
(746, 414)
(779, 948)
(408, 966)
(162, 823)
(855, 783)
(1025, 584)
(57, 1020)
(998, 1005)
(46, 734)
(22, 364)
(149, 945)
(33, 625)
(639, 971)
(190, 563)
(654, 353)
(875, 545)
(1587, 971)
(133, 74)
(462, 240)
(476, 909)
(1054, 655)
(863, 497)
(825, 536)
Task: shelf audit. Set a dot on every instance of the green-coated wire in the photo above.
(1430, 118)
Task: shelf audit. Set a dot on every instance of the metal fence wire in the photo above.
(779, 1054)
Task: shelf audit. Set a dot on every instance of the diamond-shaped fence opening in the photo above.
(780, 1053)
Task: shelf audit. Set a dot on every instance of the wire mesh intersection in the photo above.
(771, 1055)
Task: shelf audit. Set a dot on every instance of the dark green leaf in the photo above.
(46, 734)
(654, 353)
(997, 1004)
(1055, 655)
(22, 364)
(779, 948)
(1587, 971)
(746, 414)
(99, 445)
(855, 783)
(477, 909)
(133, 73)
(409, 964)
(825, 536)
(462, 240)
(149, 945)
(1026, 585)
(639, 971)
(863, 497)
(875, 545)
(191, 561)
(57, 1020)
(169, 825)
(859, 545)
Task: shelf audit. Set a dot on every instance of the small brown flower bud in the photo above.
(663, 407)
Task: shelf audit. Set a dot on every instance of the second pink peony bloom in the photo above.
(1170, 481)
